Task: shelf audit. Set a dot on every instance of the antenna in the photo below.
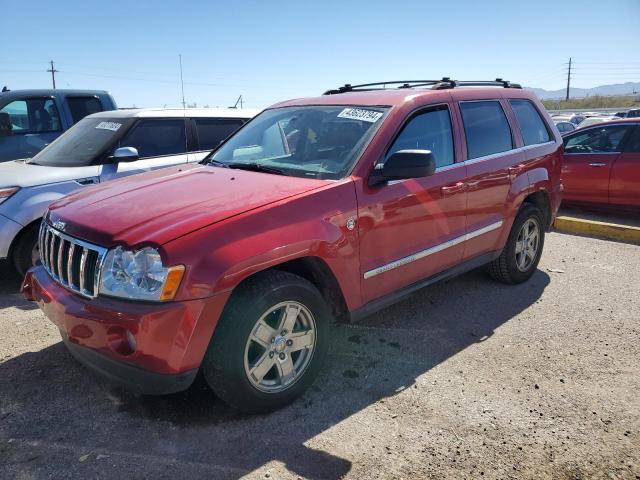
(184, 109)
(181, 81)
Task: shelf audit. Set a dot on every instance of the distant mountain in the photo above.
(614, 89)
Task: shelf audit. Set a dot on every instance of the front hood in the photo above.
(18, 173)
(159, 206)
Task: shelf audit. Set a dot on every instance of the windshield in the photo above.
(313, 141)
(83, 144)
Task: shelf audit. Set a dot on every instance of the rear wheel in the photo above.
(521, 255)
(26, 252)
(269, 344)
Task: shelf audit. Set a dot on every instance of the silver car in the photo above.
(102, 147)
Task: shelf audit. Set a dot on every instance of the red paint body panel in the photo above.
(605, 179)
(225, 225)
(171, 337)
(624, 183)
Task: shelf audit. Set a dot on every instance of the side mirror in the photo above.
(125, 154)
(404, 164)
(5, 124)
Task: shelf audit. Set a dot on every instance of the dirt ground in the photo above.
(466, 379)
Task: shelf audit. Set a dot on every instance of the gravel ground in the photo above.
(466, 379)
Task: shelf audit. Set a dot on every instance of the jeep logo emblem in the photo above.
(59, 225)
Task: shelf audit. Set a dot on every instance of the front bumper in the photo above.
(8, 231)
(170, 339)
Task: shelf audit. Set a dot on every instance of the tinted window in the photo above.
(633, 145)
(212, 131)
(82, 106)
(532, 126)
(486, 128)
(633, 113)
(595, 140)
(428, 131)
(153, 138)
(33, 115)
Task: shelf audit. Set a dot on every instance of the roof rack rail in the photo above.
(443, 83)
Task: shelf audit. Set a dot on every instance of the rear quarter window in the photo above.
(486, 128)
(212, 131)
(532, 126)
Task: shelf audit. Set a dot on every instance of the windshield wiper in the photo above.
(211, 161)
(254, 167)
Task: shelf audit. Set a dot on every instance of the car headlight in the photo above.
(5, 193)
(139, 275)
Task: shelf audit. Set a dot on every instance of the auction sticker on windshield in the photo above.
(370, 116)
(113, 126)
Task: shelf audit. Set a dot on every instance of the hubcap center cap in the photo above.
(279, 344)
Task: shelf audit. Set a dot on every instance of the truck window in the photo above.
(428, 131)
(212, 131)
(82, 106)
(33, 115)
(154, 138)
(486, 128)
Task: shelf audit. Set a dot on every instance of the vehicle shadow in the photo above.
(10, 283)
(379, 357)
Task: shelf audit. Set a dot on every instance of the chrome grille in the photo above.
(72, 263)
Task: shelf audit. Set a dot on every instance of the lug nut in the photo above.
(283, 333)
(282, 356)
(270, 354)
(289, 343)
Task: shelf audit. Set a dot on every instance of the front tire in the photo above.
(521, 254)
(269, 344)
(26, 253)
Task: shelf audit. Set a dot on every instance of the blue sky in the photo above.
(273, 50)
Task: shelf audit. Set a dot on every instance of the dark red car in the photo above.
(319, 208)
(602, 164)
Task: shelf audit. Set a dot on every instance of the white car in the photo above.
(101, 147)
(595, 120)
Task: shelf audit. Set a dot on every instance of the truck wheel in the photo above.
(269, 344)
(26, 252)
(523, 250)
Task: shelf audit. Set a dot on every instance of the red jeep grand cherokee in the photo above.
(318, 208)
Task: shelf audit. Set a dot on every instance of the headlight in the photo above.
(5, 193)
(139, 275)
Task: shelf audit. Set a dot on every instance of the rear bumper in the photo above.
(150, 348)
(8, 231)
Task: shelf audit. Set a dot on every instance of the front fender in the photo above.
(29, 204)
(221, 256)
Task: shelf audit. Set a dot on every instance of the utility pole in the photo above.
(53, 74)
(568, 79)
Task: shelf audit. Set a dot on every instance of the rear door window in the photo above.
(82, 106)
(431, 131)
(33, 115)
(532, 126)
(156, 137)
(486, 128)
(212, 131)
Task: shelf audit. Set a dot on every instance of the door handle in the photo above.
(597, 164)
(453, 189)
